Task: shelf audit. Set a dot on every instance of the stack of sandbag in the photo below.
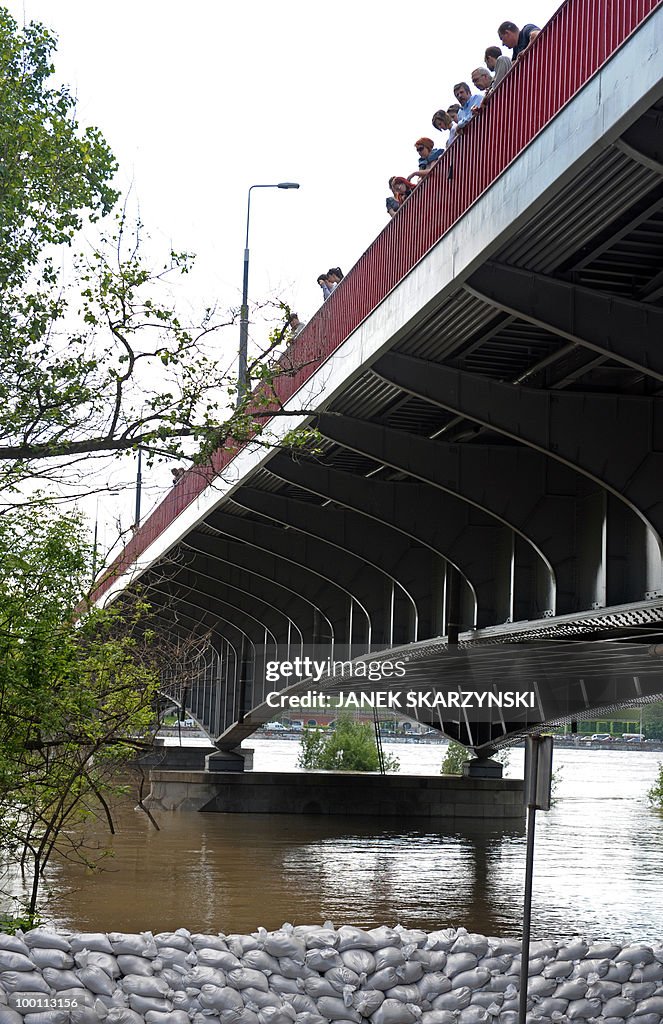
(317, 974)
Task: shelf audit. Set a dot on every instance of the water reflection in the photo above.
(597, 865)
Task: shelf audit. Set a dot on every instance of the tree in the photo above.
(77, 694)
(655, 794)
(94, 359)
(652, 721)
(350, 747)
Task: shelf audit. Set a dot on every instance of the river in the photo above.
(597, 869)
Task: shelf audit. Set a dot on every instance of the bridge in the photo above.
(485, 497)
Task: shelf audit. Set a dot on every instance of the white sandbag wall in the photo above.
(314, 975)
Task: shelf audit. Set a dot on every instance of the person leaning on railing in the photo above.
(499, 64)
(517, 39)
(428, 157)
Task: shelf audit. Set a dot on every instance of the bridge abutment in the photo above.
(337, 793)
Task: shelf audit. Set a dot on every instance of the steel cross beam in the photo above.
(615, 440)
(477, 545)
(622, 329)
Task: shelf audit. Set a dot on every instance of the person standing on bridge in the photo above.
(428, 157)
(468, 101)
(325, 284)
(517, 39)
(499, 64)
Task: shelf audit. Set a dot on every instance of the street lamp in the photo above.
(244, 313)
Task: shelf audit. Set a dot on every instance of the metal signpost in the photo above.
(538, 780)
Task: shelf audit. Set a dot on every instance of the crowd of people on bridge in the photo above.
(486, 79)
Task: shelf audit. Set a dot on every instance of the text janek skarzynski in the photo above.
(300, 669)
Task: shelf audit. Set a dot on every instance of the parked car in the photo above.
(601, 737)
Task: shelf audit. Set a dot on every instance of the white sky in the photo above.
(199, 100)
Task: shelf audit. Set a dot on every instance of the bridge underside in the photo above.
(492, 476)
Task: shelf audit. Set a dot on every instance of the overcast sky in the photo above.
(199, 100)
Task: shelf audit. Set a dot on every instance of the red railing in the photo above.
(572, 47)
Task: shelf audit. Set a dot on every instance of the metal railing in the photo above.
(572, 47)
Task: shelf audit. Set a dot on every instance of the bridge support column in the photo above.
(236, 760)
(483, 768)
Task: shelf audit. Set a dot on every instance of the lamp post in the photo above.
(244, 313)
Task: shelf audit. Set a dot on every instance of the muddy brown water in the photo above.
(597, 871)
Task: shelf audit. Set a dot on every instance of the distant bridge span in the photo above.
(487, 387)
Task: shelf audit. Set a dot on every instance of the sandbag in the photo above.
(384, 979)
(280, 944)
(45, 939)
(405, 993)
(170, 955)
(96, 980)
(438, 1017)
(384, 936)
(619, 972)
(10, 961)
(301, 1003)
(342, 977)
(441, 940)
(639, 990)
(430, 959)
(323, 959)
(473, 979)
(587, 967)
(123, 1015)
(650, 972)
(618, 1007)
(458, 999)
(602, 951)
(259, 960)
(544, 948)
(366, 1003)
(575, 988)
(179, 939)
(255, 999)
(92, 958)
(277, 1015)
(540, 986)
(210, 956)
(317, 987)
(410, 972)
(457, 963)
(603, 990)
(284, 986)
(322, 938)
(653, 1004)
(474, 1015)
(96, 942)
(142, 1004)
(394, 1012)
(24, 981)
(489, 1000)
(13, 944)
(469, 942)
(9, 1016)
(355, 938)
(201, 941)
(359, 960)
(636, 955)
(412, 936)
(57, 958)
(500, 947)
(645, 1018)
(289, 967)
(212, 997)
(132, 964)
(173, 1017)
(244, 977)
(496, 963)
(433, 984)
(551, 1006)
(244, 1016)
(309, 1018)
(133, 945)
(581, 1009)
(558, 969)
(61, 979)
(139, 985)
(577, 949)
(334, 1008)
(47, 1017)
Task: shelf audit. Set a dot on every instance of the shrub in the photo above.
(351, 747)
(655, 794)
